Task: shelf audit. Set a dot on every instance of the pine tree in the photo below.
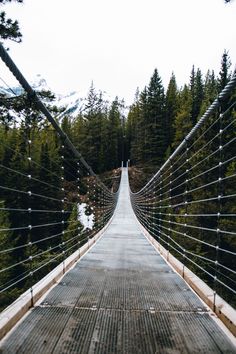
(74, 228)
(5, 243)
(171, 108)
(104, 161)
(6, 259)
(130, 126)
(69, 158)
(224, 74)
(155, 140)
(210, 91)
(9, 29)
(95, 112)
(183, 122)
(115, 135)
(197, 93)
(141, 131)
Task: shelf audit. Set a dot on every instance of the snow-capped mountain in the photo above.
(40, 84)
(11, 92)
(72, 103)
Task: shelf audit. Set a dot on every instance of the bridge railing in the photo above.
(51, 201)
(189, 206)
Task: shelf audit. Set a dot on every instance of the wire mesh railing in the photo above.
(51, 201)
(189, 205)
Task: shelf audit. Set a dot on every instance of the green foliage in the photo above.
(183, 121)
(147, 124)
(98, 132)
(189, 205)
(5, 237)
(224, 75)
(171, 108)
(9, 29)
(157, 123)
(74, 229)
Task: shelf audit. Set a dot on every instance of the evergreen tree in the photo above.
(95, 112)
(224, 74)
(141, 133)
(104, 162)
(155, 139)
(5, 243)
(9, 29)
(115, 135)
(74, 228)
(210, 90)
(130, 127)
(69, 159)
(183, 122)
(197, 93)
(171, 108)
(6, 259)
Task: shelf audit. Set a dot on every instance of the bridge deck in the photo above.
(121, 297)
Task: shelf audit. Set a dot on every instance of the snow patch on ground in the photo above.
(86, 220)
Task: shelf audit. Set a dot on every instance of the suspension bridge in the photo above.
(126, 286)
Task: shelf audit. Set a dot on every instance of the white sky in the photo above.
(118, 43)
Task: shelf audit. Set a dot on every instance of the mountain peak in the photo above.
(40, 83)
(71, 102)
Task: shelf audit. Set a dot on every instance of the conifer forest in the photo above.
(106, 134)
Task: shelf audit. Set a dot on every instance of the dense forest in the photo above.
(159, 120)
(156, 123)
(43, 185)
(38, 173)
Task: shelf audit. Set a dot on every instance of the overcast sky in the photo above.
(118, 43)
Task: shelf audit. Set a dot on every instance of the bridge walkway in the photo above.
(121, 297)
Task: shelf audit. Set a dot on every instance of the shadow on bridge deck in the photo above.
(121, 297)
